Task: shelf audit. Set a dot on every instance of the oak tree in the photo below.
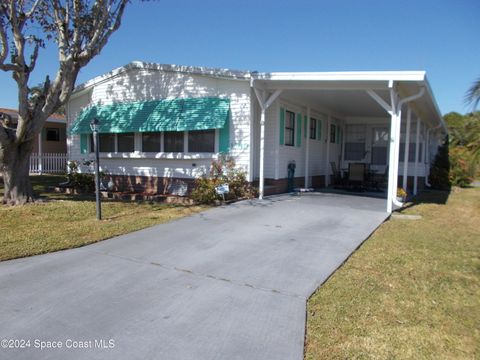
(79, 29)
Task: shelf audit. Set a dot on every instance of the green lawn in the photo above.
(412, 291)
(60, 221)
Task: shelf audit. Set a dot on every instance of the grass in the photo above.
(412, 291)
(60, 221)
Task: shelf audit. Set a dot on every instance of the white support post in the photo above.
(407, 149)
(396, 159)
(261, 179)
(417, 150)
(327, 160)
(264, 105)
(307, 148)
(40, 153)
(391, 171)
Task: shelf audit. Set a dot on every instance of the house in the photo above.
(162, 125)
(50, 148)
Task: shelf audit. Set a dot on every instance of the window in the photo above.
(379, 146)
(355, 142)
(151, 142)
(53, 134)
(107, 143)
(313, 128)
(411, 152)
(173, 141)
(333, 133)
(201, 141)
(126, 142)
(289, 128)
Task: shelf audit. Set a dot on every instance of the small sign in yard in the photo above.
(222, 189)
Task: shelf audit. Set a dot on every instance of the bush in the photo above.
(462, 167)
(204, 191)
(223, 171)
(440, 169)
(83, 182)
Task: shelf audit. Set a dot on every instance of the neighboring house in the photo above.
(50, 148)
(162, 125)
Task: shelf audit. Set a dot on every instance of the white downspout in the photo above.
(407, 149)
(391, 156)
(264, 105)
(307, 148)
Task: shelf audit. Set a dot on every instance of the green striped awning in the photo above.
(157, 115)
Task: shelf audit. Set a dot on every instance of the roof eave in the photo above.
(139, 65)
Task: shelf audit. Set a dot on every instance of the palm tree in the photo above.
(473, 94)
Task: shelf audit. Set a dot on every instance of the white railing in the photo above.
(48, 163)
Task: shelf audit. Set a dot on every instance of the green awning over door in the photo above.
(156, 115)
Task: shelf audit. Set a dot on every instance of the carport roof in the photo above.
(345, 92)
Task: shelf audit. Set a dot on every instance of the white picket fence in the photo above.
(48, 163)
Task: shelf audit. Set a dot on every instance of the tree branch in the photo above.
(34, 7)
(3, 40)
(100, 38)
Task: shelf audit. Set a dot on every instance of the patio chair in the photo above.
(382, 180)
(356, 176)
(337, 176)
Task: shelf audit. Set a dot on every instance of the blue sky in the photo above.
(439, 36)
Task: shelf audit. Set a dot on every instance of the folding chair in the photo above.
(356, 176)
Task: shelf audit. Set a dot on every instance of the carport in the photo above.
(351, 99)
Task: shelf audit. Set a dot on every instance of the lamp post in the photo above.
(94, 126)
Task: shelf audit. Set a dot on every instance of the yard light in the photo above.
(94, 124)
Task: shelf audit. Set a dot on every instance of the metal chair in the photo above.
(356, 176)
(338, 180)
(383, 179)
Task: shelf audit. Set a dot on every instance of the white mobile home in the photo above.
(162, 125)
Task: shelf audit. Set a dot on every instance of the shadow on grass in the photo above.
(439, 197)
(42, 185)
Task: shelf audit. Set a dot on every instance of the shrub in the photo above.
(462, 166)
(440, 168)
(223, 171)
(204, 191)
(83, 182)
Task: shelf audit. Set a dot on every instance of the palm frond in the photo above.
(473, 94)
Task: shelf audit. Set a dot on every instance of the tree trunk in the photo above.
(16, 168)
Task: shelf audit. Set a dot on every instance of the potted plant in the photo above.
(401, 194)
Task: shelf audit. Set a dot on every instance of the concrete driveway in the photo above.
(229, 283)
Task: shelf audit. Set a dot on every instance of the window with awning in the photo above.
(155, 116)
(200, 117)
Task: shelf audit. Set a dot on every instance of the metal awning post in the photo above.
(264, 105)
(392, 152)
(307, 148)
(327, 153)
(406, 152)
(417, 150)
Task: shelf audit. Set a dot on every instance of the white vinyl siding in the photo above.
(146, 84)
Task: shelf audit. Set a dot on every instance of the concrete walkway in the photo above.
(229, 283)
